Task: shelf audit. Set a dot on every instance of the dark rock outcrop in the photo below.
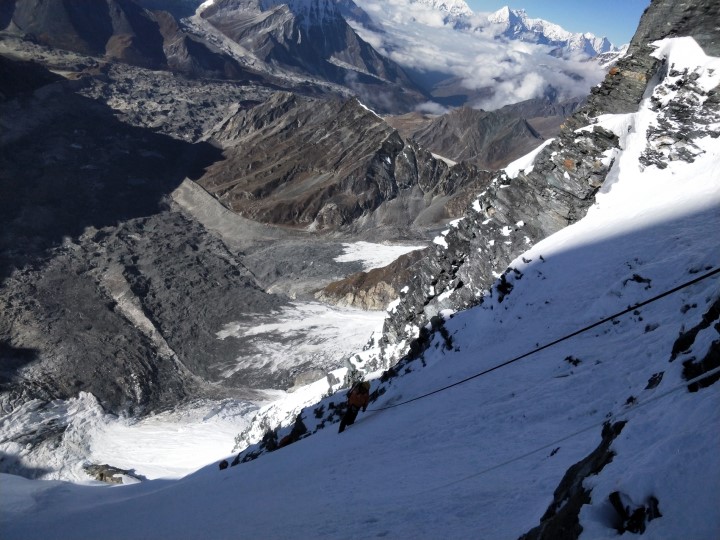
(631, 517)
(561, 520)
(109, 474)
(683, 346)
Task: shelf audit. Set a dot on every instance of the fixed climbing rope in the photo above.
(705, 276)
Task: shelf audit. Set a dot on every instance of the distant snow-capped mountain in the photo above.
(515, 24)
(457, 8)
(452, 53)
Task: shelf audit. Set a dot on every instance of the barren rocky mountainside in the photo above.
(311, 37)
(120, 30)
(488, 139)
(329, 164)
(213, 46)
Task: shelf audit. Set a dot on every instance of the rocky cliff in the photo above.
(331, 164)
(120, 30)
(492, 139)
(312, 38)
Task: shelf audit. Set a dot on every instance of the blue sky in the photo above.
(615, 19)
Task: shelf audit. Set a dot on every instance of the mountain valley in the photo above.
(216, 216)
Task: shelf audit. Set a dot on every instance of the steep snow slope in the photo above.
(482, 459)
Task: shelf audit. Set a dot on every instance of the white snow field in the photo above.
(374, 255)
(166, 445)
(482, 459)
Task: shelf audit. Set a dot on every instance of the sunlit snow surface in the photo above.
(482, 460)
(374, 255)
(167, 445)
(301, 332)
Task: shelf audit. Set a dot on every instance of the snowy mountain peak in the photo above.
(505, 14)
(453, 7)
(313, 9)
(515, 24)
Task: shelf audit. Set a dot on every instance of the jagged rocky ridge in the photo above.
(514, 213)
(492, 139)
(507, 219)
(330, 164)
(312, 39)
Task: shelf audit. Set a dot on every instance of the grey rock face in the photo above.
(330, 165)
(312, 38)
(119, 28)
(492, 139)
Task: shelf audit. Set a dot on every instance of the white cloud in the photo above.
(417, 37)
(430, 107)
